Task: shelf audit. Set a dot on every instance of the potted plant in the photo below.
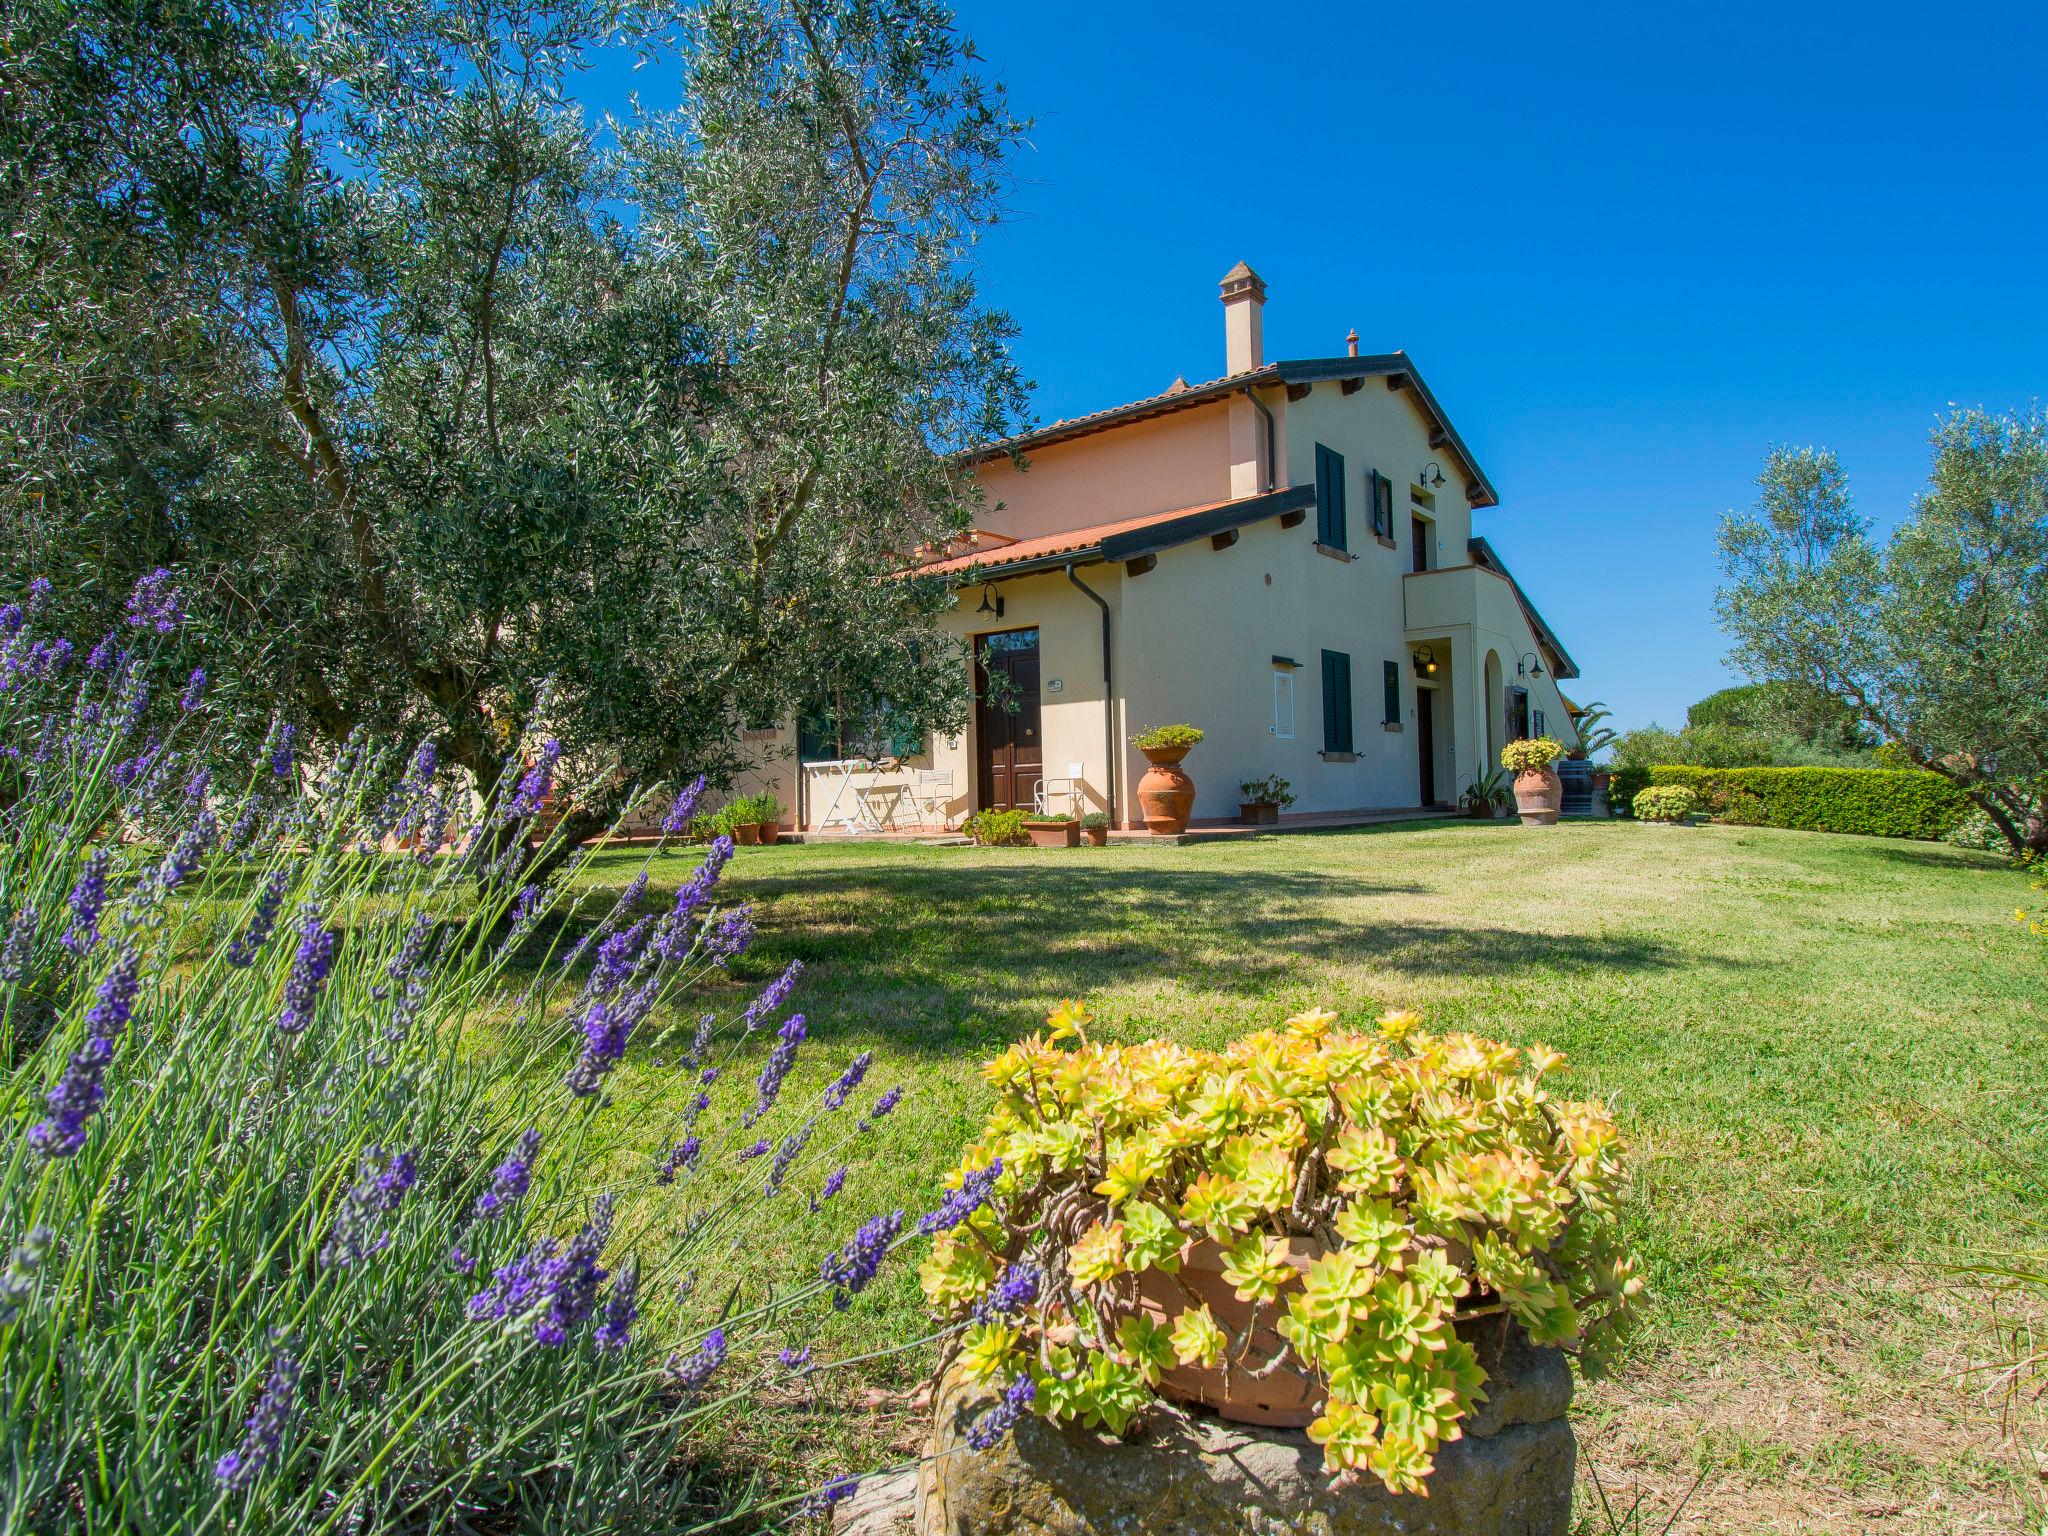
(768, 815)
(1487, 796)
(1166, 794)
(1264, 800)
(739, 823)
(1095, 827)
(1311, 1227)
(1538, 792)
(1667, 805)
(1055, 829)
(994, 829)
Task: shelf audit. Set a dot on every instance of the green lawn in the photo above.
(1827, 1052)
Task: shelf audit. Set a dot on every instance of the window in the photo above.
(1330, 498)
(1336, 702)
(1379, 495)
(1419, 540)
(1390, 686)
(1283, 703)
(1539, 722)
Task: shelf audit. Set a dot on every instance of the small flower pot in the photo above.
(1098, 837)
(1053, 834)
(746, 833)
(1259, 813)
(771, 833)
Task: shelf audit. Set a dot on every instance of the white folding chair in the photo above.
(1051, 789)
(931, 790)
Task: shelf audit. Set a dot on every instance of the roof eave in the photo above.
(1545, 635)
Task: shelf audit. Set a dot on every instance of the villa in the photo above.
(1284, 556)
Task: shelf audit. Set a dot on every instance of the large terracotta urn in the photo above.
(1287, 1397)
(1165, 794)
(1539, 794)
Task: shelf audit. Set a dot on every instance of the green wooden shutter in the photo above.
(1330, 498)
(1390, 682)
(1336, 702)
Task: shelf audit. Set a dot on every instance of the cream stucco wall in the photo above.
(1160, 465)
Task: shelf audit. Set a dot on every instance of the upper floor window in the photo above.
(1336, 701)
(1421, 535)
(1330, 498)
(1379, 492)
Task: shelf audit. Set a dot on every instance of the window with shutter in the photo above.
(1379, 501)
(1330, 498)
(1390, 684)
(1336, 702)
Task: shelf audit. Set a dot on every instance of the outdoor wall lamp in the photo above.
(1425, 661)
(1428, 470)
(988, 590)
(1528, 665)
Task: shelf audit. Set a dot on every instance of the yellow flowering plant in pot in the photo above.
(1312, 1226)
(1539, 793)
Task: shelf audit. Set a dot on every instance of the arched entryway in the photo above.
(1496, 710)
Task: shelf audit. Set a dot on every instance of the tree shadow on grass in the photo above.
(915, 948)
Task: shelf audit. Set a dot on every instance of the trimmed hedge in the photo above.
(1876, 802)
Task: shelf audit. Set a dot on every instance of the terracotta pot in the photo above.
(746, 833)
(771, 833)
(1098, 837)
(1165, 794)
(1258, 813)
(1287, 1397)
(1538, 795)
(1053, 834)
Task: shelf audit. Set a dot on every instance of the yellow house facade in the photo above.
(1284, 556)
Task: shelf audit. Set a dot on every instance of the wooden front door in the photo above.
(1425, 742)
(1010, 748)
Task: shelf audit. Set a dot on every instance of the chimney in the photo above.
(1244, 342)
(1351, 341)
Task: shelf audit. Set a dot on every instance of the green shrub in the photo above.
(1167, 736)
(1531, 755)
(1624, 783)
(1665, 802)
(1876, 802)
(1271, 790)
(995, 829)
(1095, 819)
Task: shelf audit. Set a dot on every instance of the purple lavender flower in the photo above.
(131, 771)
(18, 1282)
(570, 1279)
(607, 1026)
(179, 864)
(21, 937)
(837, 1491)
(263, 1435)
(412, 949)
(615, 960)
(511, 1179)
(242, 831)
(786, 1155)
(247, 944)
(281, 751)
(88, 897)
(961, 1203)
(198, 783)
(842, 1088)
(156, 603)
(834, 1182)
(1016, 1290)
(796, 1361)
(883, 1105)
(678, 817)
(675, 938)
(309, 970)
(105, 656)
(461, 1261)
(621, 1307)
(82, 1088)
(775, 1071)
(690, 1375)
(378, 1191)
(849, 1269)
(988, 1431)
(537, 781)
(514, 1287)
(12, 618)
(771, 997)
(731, 935)
(678, 1157)
(748, 1153)
(195, 691)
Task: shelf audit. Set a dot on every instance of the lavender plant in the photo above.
(282, 1250)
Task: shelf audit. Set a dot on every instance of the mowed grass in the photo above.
(1827, 1053)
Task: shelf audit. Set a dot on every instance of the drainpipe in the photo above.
(1108, 688)
(1272, 450)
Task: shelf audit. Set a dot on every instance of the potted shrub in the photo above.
(994, 829)
(1055, 829)
(739, 821)
(1487, 797)
(1095, 827)
(1166, 794)
(1311, 1227)
(1264, 800)
(768, 815)
(1668, 805)
(1538, 791)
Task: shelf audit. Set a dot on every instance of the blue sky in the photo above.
(1628, 247)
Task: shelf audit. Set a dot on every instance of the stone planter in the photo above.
(1509, 1475)
(1258, 813)
(1538, 795)
(1053, 834)
(1165, 793)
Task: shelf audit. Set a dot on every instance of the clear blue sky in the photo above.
(1628, 247)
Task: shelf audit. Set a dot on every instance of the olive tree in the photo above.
(434, 390)
(1931, 639)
